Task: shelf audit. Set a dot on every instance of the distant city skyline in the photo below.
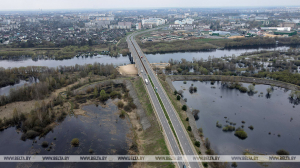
(7, 5)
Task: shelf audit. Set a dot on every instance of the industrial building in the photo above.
(288, 33)
(276, 28)
(221, 33)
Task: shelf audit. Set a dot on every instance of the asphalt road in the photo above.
(162, 119)
(180, 131)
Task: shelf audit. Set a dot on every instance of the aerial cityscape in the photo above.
(162, 84)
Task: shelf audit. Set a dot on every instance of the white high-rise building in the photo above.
(154, 21)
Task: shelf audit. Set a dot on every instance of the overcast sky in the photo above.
(104, 4)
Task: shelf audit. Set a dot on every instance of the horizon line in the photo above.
(143, 8)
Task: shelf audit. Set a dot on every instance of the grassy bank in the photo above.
(279, 83)
(178, 107)
(166, 114)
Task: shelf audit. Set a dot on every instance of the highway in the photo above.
(160, 114)
(183, 137)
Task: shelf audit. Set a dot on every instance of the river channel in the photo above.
(121, 60)
(5, 90)
(156, 58)
(276, 120)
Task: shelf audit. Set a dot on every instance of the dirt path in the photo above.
(129, 69)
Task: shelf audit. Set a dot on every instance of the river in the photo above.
(156, 58)
(122, 60)
(276, 115)
(98, 131)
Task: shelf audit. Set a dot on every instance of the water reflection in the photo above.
(98, 131)
(266, 115)
(5, 90)
(25, 61)
(155, 58)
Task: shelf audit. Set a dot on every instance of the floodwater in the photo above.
(275, 114)
(5, 90)
(156, 58)
(122, 60)
(101, 130)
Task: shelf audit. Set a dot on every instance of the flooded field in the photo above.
(100, 129)
(275, 118)
(5, 90)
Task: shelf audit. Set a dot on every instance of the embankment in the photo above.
(234, 78)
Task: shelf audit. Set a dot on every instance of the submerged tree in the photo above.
(184, 108)
(269, 90)
(195, 114)
(103, 95)
(95, 92)
(251, 88)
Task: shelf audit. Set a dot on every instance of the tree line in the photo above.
(51, 79)
(201, 45)
(67, 52)
(281, 70)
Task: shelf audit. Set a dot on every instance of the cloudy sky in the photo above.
(104, 4)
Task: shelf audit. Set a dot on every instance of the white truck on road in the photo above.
(146, 81)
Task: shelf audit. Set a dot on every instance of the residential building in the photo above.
(181, 26)
(105, 18)
(138, 26)
(288, 24)
(184, 21)
(263, 20)
(153, 21)
(121, 25)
